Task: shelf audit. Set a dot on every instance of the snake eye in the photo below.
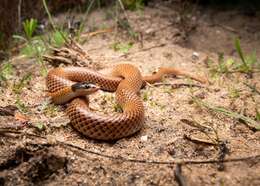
(83, 85)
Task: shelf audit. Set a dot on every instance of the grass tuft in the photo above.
(6, 71)
(249, 121)
(29, 27)
(18, 87)
(21, 105)
(247, 63)
(122, 47)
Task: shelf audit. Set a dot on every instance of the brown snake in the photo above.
(74, 83)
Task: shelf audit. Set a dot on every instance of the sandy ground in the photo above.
(176, 128)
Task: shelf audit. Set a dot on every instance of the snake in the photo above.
(73, 85)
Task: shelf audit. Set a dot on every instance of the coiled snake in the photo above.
(74, 83)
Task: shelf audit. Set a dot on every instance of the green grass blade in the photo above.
(239, 51)
(250, 122)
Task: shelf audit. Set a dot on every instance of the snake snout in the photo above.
(87, 88)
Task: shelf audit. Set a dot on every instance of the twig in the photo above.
(142, 50)
(49, 15)
(88, 10)
(193, 123)
(123, 8)
(51, 20)
(72, 54)
(175, 161)
(178, 85)
(180, 179)
(19, 15)
(90, 34)
(253, 87)
(223, 27)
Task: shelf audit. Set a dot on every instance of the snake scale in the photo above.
(73, 84)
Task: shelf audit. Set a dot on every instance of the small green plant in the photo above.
(57, 38)
(50, 109)
(247, 120)
(247, 62)
(233, 92)
(168, 90)
(40, 126)
(117, 108)
(6, 72)
(222, 65)
(29, 27)
(17, 87)
(253, 88)
(21, 105)
(133, 4)
(145, 96)
(79, 31)
(35, 48)
(35, 45)
(257, 115)
(125, 25)
(156, 104)
(122, 47)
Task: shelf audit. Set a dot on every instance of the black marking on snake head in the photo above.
(82, 85)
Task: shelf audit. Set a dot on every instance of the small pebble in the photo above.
(195, 56)
(144, 138)
(149, 31)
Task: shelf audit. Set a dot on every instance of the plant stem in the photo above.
(49, 14)
(240, 53)
(51, 20)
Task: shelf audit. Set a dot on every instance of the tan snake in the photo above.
(74, 83)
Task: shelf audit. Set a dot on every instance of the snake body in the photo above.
(125, 79)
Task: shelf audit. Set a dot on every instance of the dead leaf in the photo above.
(21, 118)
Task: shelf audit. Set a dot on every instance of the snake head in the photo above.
(84, 88)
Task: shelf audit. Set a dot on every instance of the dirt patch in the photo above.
(32, 164)
(176, 126)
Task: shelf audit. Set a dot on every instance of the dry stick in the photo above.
(176, 161)
(72, 53)
(91, 34)
(53, 60)
(123, 8)
(183, 73)
(19, 15)
(142, 50)
(180, 179)
(230, 29)
(253, 88)
(178, 85)
(227, 28)
(195, 124)
(131, 53)
(88, 10)
(51, 20)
